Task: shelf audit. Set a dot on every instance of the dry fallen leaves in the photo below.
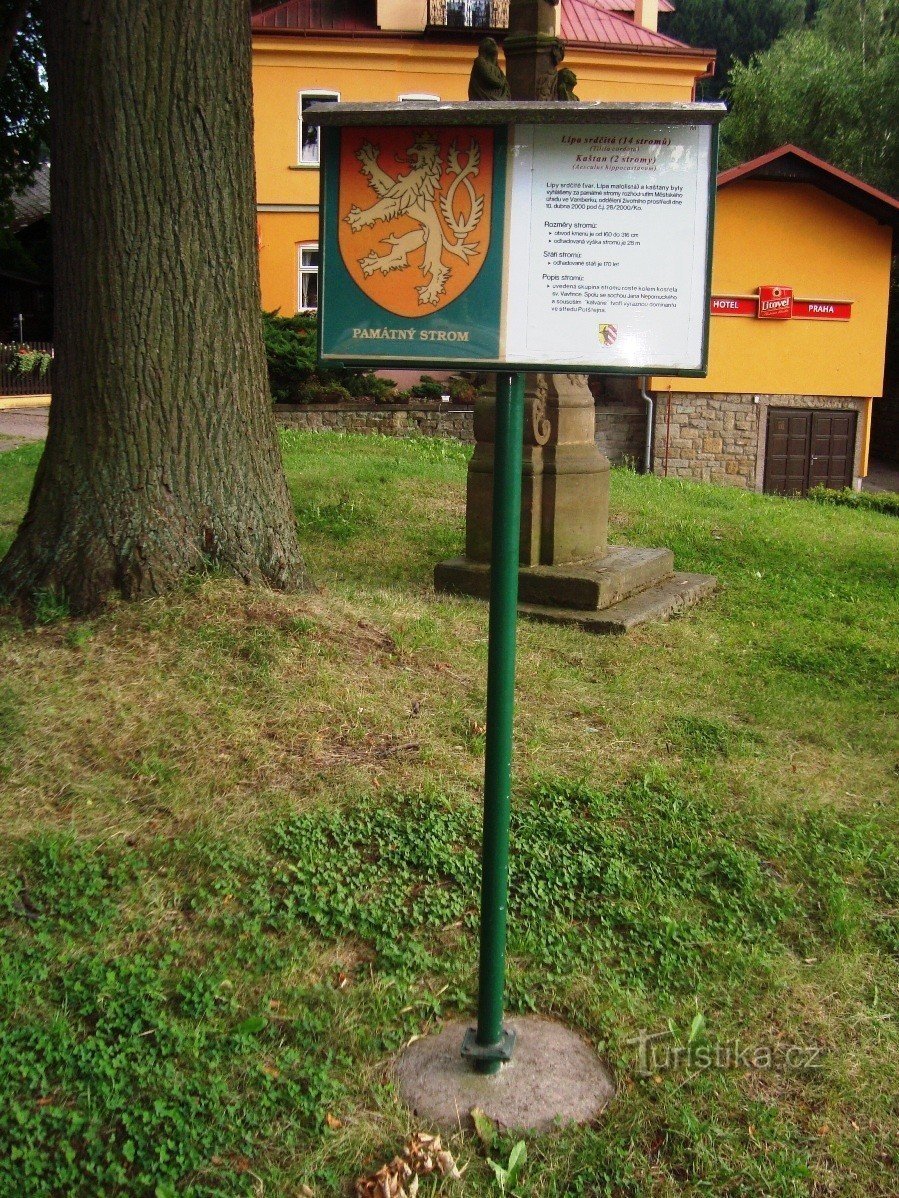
(422, 1155)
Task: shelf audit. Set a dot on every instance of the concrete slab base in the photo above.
(554, 1078)
(627, 587)
(589, 585)
(656, 603)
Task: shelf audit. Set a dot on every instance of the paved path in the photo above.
(22, 424)
(882, 476)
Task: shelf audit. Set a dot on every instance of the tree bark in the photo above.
(162, 452)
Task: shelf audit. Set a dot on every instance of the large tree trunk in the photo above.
(162, 452)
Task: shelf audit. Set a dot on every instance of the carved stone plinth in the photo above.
(565, 480)
(531, 64)
(568, 572)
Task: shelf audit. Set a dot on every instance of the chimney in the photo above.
(646, 13)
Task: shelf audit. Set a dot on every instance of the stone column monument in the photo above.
(569, 573)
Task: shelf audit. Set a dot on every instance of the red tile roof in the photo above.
(629, 5)
(593, 22)
(342, 15)
(587, 22)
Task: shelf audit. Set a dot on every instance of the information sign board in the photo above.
(518, 236)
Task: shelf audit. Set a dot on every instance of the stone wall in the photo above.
(393, 420)
(621, 432)
(620, 427)
(720, 438)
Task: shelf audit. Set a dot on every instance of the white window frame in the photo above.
(305, 270)
(418, 96)
(312, 95)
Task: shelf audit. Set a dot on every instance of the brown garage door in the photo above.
(806, 448)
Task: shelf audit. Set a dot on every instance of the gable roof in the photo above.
(605, 23)
(790, 164)
(596, 22)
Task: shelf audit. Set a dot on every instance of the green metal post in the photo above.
(492, 1045)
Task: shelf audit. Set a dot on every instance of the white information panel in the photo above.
(608, 231)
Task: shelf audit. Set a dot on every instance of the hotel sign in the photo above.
(517, 236)
(778, 303)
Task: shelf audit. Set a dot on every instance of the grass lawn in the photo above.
(238, 862)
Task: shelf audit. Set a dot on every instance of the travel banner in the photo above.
(413, 243)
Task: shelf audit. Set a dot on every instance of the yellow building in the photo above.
(800, 289)
(313, 51)
(787, 401)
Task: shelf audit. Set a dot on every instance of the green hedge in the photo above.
(870, 501)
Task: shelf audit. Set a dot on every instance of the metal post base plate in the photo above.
(501, 1051)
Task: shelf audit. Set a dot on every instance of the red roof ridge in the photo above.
(756, 164)
(629, 5)
(815, 172)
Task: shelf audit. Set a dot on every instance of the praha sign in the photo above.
(517, 236)
(779, 303)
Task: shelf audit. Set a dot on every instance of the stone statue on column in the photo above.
(568, 572)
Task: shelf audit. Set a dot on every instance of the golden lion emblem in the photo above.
(435, 206)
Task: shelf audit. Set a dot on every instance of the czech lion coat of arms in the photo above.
(415, 214)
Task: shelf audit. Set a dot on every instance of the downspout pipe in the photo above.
(650, 411)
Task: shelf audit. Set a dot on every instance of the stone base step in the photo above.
(657, 602)
(585, 586)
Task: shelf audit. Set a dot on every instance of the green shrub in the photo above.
(295, 377)
(32, 361)
(293, 372)
(428, 388)
(290, 353)
(315, 391)
(462, 390)
(886, 502)
(379, 389)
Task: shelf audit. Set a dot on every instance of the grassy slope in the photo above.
(240, 837)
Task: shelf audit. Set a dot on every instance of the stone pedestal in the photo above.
(568, 572)
(565, 480)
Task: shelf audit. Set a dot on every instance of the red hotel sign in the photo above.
(734, 305)
(778, 303)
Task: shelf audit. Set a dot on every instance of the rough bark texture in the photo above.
(162, 452)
